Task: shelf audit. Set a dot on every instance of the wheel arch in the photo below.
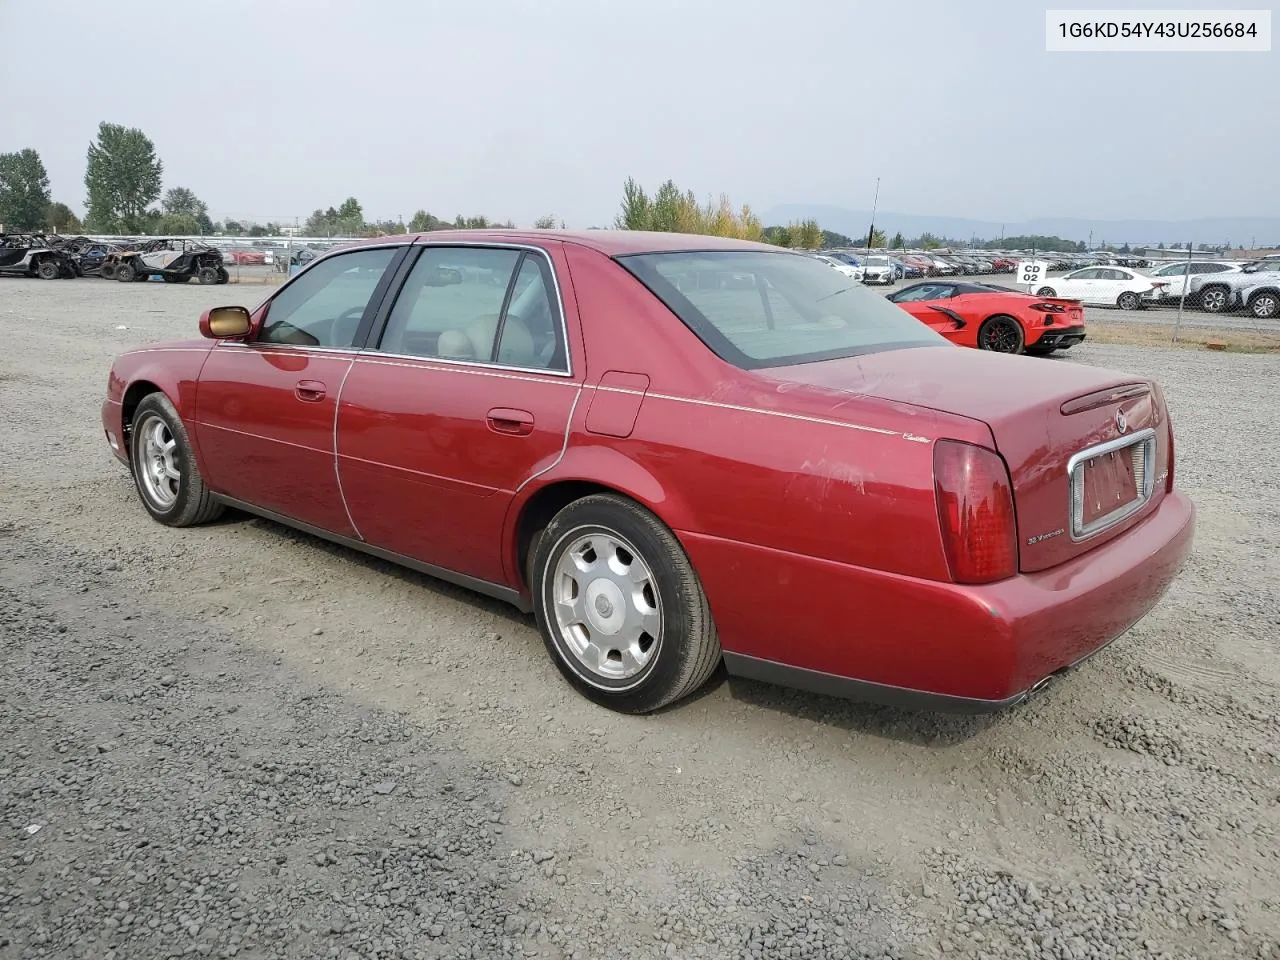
(583, 472)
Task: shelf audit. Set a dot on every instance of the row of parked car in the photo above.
(1097, 279)
(878, 266)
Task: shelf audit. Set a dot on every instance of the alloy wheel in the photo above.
(159, 468)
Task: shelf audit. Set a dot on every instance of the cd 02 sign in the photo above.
(1031, 273)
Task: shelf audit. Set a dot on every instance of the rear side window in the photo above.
(763, 309)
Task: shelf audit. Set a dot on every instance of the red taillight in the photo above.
(1049, 307)
(975, 509)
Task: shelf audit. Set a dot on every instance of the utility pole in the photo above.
(871, 231)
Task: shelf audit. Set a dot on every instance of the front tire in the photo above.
(1265, 305)
(164, 467)
(125, 273)
(1213, 299)
(620, 607)
(207, 275)
(48, 269)
(107, 271)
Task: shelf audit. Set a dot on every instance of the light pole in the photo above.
(871, 231)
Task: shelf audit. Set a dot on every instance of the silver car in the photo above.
(878, 269)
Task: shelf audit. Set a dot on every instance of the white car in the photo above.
(1178, 274)
(848, 269)
(1105, 286)
(878, 269)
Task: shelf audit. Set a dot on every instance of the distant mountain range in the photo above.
(1236, 231)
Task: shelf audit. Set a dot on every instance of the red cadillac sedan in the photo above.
(677, 451)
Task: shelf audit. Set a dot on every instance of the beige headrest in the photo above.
(456, 344)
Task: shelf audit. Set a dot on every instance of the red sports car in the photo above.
(788, 475)
(994, 318)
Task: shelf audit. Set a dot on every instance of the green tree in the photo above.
(832, 239)
(878, 238)
(898, 242)
(545, 223)
(24, 191)
(122, 178)
(807, 234)
(62, 219)
(664, 214)
(636, 208)
(179, 201)
(422, 222)
(778, 236)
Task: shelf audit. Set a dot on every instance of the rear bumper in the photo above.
(870, 635)
(1060, 336)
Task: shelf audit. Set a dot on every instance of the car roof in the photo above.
(609, 242)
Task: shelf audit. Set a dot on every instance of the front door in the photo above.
(265, 408)
(466, 395)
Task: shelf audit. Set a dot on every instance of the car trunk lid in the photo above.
(1087, 448)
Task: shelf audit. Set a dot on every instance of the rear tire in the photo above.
(1129, 301)
(107, 271)
(48, 269)
(125, 273)
(620, 607)
(1001, 334)
(164, 466)
(207, 275)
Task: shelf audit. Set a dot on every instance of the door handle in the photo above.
(515, 422)
(309, 390)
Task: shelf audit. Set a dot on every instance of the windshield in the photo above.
(877, 261)
(756, 309)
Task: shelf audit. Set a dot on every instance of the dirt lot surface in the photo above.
(237, 740)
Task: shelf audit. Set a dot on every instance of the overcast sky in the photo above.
(268, 109)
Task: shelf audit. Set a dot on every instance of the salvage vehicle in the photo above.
(993, 318)
(87, 255)
(176, 261)
(32, 255)
(793, 478)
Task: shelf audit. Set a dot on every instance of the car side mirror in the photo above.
(225, 323)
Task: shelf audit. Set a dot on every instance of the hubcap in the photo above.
(607, 611)
(1213, 300)
(1265, 307)
(158, 462)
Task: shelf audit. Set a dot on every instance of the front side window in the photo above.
(485, 304)
(758, 309)
(323, 307)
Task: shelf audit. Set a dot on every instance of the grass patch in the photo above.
(1192, 338)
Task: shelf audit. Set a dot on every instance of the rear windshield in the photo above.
(758, 309)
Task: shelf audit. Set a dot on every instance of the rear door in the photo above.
(265, 408)
(464, 395)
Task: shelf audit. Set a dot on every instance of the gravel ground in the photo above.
(237, 740)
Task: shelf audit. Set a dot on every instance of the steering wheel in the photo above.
(335, 330)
